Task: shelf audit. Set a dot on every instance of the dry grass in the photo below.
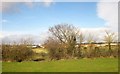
(40, 50)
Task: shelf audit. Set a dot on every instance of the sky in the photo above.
(34, 19)
(39, 18)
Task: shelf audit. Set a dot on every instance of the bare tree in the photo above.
(109, 38)
(81, 38)
(90, 41)
(80, 41)
(26, 41)
(65, 34)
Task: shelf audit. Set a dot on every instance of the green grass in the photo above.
(81, 65)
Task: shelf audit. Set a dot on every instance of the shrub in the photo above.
(16, 52)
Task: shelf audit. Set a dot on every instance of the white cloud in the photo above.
(6, 33)
(47, 2)
(1, 36)
(11, 5)
(97, 33)
(3, 21)
(17, 36)
(17, 0)
(8, 7)
(109, 0)
(108, 11)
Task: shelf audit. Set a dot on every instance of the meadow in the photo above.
(71, 65)
(40, 50)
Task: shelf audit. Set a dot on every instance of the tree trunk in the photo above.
(110, 50)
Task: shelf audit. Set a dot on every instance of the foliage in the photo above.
(16, 52)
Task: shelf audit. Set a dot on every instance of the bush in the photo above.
(55, 49)
(16, 52)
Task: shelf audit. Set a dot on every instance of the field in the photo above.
(39, 50)
(81, 65)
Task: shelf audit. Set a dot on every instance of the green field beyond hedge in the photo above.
(81, 65)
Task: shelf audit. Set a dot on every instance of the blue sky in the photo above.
(38, 18)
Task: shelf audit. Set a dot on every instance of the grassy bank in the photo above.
(81, 65)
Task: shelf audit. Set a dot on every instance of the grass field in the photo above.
(40, 50)
(81, 65)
